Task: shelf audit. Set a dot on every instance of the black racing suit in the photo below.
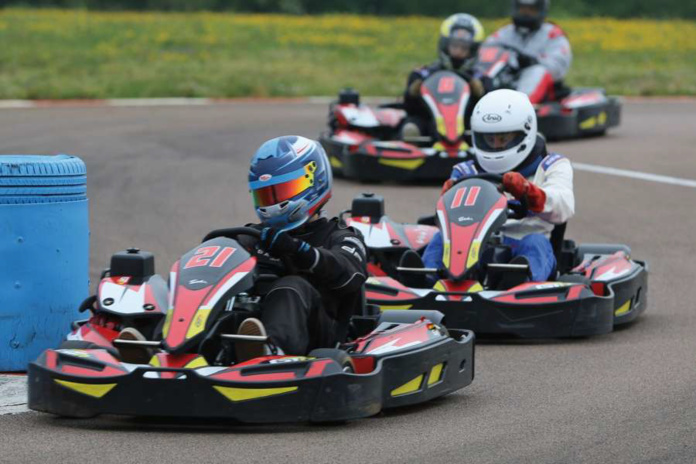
(306, 309)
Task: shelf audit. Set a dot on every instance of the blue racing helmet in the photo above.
(290, 180)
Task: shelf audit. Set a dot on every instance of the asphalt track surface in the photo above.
(160, 178)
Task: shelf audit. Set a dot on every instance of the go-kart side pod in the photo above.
(404, 364)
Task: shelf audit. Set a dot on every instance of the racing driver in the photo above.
(290, 182)
(544, 53)
(506, 142)
(460, 38)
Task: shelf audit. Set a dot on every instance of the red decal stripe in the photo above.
(317, 368)
(574, 292)
(473, 196)
(458, 197)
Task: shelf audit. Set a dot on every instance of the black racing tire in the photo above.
(340, 356)
(600, 249)
(574, 279)
(411, 316)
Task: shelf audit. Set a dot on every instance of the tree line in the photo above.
(653, 9)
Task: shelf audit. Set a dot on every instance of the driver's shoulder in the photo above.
(554, 161)
(504, 33)
(552, 30)
(426, 71)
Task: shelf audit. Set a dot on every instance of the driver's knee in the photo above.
(294, 290)
(539, 252)
(286, 311)
(537, 82)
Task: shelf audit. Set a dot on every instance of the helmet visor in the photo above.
(278, 193)
(459, 44)
(493, 142)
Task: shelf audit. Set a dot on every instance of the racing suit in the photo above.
(528, 237)
(306, 308)
(550, 48)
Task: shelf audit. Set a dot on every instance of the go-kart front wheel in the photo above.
(340, 356)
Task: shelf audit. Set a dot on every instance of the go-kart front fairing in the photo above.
(396, 365)
(366, 144)
(193, 371)
(567, 113)
(597, 286)
(386, 239)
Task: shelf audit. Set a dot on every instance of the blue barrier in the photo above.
(44, 253)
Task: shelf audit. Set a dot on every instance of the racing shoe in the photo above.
(246, 350)
(134, 354)
(513, 278)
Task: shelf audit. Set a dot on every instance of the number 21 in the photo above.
(203, 256)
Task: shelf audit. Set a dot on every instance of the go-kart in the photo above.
(568, 113)
(366, 143)
(190, 367)
(596, 287)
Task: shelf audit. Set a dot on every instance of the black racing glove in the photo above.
(526, 61)
(278, 243)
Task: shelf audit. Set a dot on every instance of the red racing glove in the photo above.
(519, 187)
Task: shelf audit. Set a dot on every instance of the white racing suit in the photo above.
(528, 237)
(550, 46)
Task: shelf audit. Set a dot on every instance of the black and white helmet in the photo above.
(461, 30)
(529, 15)
(504, 127)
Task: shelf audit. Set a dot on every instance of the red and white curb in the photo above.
(13, 394)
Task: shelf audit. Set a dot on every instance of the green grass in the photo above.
(60, 54)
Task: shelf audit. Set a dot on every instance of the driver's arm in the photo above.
(557, 55)
(560, 199)
(342, 266)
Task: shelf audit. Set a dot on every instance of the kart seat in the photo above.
(557, 236)
(360, 322)
(564, 250)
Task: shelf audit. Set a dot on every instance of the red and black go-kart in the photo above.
(597, 287)
(570, 113)
(387, 360)
(366, 144)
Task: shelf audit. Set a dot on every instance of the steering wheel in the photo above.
(234, 232)
(517, 209)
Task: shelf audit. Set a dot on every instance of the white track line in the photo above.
(13, 394)
(635, 175)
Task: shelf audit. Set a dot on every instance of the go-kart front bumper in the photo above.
(532, 316)
(367, 167)
(405, 378)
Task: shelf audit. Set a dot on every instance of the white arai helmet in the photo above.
(504, 128)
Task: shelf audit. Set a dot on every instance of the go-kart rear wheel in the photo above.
(85, 345)
(340, 356)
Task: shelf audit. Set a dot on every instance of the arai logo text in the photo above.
(492, 118)
(265, 177)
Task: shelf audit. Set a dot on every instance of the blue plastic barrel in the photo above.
(44, 253)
